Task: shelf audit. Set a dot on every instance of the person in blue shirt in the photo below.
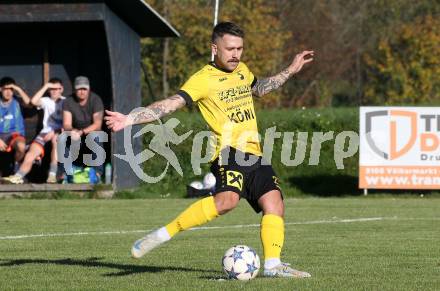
(11, 120)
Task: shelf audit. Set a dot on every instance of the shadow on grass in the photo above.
(327, 185)
(124, 269)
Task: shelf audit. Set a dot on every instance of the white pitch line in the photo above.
(69, 234)
(297, 223)
(24, 236)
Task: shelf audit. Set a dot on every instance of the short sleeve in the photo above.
(250, 76)
(195, 89)
(97, 105)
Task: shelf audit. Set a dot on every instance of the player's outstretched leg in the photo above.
(149, 242)
(198, 213)
(272, 238)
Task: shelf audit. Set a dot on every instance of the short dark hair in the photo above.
(223, 28)
(6, 81)
(56, 81)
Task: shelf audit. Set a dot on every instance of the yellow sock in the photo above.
(197, 213)
(272, 236)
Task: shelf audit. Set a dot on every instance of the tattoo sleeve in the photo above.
(157, 110)
(269, 84)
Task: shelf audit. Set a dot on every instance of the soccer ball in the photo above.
(241, 263)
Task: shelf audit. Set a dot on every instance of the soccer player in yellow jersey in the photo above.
(223, 90)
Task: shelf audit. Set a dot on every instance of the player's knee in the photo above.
(226, 201)
(275, 209)
(272, 203)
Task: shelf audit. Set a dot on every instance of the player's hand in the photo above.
(300, 60)
(116, 121)
(3, 146)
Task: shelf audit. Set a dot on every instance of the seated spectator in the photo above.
(11, 120)
(82, 115)
(52, 125)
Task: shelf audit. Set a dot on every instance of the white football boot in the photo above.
(284, 270)
(147, 243)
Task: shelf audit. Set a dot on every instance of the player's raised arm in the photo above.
(266, 85)
(117, 121)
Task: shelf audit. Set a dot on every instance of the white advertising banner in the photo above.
(399, 148)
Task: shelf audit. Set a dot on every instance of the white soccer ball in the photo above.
(209, 181)
(241, 263)
(197, 185)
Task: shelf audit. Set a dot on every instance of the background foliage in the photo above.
(367, 52)
(406, 69)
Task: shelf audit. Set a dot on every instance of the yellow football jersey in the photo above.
(225, 102)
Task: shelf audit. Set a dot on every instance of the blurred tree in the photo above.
(333, 30)
(406, 68)
(170, 61)
(341, 33)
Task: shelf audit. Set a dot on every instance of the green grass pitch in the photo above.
(345, 243)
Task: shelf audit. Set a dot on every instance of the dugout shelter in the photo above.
(99, 39)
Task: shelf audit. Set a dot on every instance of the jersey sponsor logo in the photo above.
(234, 179)
(241, 115)
(8, 117)
(229, 94)
(222, 79)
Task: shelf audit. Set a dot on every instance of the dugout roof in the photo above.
(140, 16)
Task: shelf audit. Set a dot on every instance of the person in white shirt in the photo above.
(52, 125)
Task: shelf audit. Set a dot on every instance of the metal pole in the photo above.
(216, 13)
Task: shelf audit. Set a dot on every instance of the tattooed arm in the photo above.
(117, 121)
(266, 85)
(157, 110)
